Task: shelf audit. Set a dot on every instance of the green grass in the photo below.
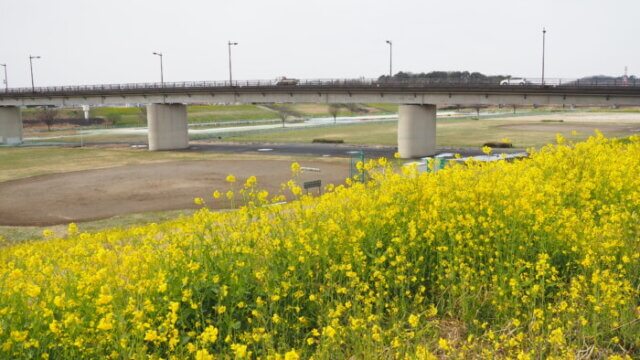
(131, 116)
(457, 131)
(106, 111)
(195, 113)
(16, 234)
(373, 133)
(386, 108)
(222, 113)
(18, 163)
(450, 132)
(617, 110)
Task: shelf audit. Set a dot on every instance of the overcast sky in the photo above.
(111, 41)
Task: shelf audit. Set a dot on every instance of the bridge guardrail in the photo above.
(321, 83)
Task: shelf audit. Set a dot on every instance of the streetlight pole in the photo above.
(544, 35)
(230, 44)
(390, 58)
(6, 80)
(31, 57)
(161, 69)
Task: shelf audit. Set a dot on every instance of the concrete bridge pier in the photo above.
(416, 131)
(168, 129)
(10, 125)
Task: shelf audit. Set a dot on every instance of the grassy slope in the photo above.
(16, 234)
(18, 163)
(450, 132)
(131, 116)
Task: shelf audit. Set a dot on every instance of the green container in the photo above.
(436, 163)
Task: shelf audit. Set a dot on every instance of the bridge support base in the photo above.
(10, 126)
(416, 131)
(168, 128)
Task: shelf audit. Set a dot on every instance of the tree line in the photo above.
(446, 77)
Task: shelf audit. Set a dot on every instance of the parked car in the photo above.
(515, 81)
(283, 80)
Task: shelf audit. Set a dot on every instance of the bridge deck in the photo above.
(557, 92)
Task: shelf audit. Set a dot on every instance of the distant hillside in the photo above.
(606, 80)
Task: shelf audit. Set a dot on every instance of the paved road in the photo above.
(313, 150)
(320, 150)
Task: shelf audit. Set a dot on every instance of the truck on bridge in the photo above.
(283, 80)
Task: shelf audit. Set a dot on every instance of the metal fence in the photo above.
(323, 83)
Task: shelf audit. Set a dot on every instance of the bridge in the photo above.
(167, 102)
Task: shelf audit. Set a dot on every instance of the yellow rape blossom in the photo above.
(510, 259)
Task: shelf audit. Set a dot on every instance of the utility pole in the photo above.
(230, 44)
(31, 57)
(6, 80)
(625, 79)
(390, 58)
(544, 34)
(161, 69)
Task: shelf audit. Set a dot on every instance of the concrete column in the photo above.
(10, 125)
(168, 128)
(416, 130)
(86, 109)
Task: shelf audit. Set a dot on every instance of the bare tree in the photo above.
(334, 109)
(142, 115)
(283, 114)
(48, 115)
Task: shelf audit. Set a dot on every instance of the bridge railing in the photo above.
(328, 83)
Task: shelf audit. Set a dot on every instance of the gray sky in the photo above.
(91, 41)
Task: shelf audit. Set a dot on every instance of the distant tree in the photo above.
(142, 115)
(48, 116)
(447, 77)
(603, 80)
(334, 109)
(283, 114)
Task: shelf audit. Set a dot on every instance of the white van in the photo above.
(515, 81)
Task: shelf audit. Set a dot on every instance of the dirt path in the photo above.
(97, 194)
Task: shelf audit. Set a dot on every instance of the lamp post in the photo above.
(159, 54)
(6, 81)
(390, 58)
(544, 35)
(230, 44)
(31, 57)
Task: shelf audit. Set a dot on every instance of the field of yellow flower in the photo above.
(538, 258)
